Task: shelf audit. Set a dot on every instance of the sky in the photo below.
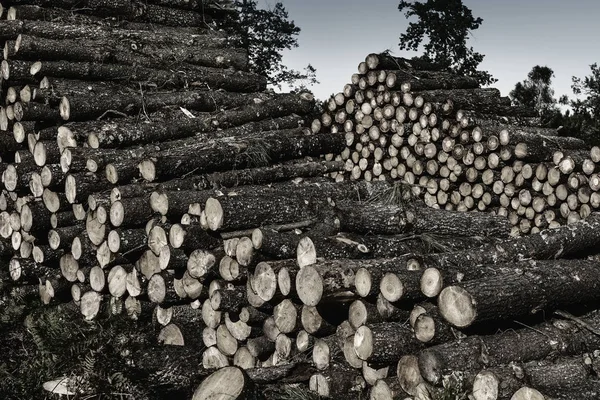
(515, 36)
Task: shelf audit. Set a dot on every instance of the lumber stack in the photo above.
(148, 175)
(461, 147)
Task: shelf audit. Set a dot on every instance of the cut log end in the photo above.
(431, 282)
(214, 214)
(391, 287)
(527, 393)
(306, 253)
(457, 306)
(309, 286)
(485, 386)
(362, 282)
(228, 383)
(363, 343)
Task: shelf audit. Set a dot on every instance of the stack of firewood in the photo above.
(460, 146)
(147, 173)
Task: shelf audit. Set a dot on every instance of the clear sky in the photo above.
(515, 35)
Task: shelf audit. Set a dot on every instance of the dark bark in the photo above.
(269, 174)
(540, 285)
(126, 34)
(431, 80)
(115, 51)
(235, 81)
(442, 222)
(170, 126)
(479, 100)
(127, 10)
(385, 343)
(282, 203)
(85, 107)
(555, 243)
(477, 352)
(80, 185)
(371, 218)
(222, 155)
(288, 373)
(130, 212)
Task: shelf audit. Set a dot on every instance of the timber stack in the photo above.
(148, 175)
(459, 146)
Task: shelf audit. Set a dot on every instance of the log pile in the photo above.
(459, 146)
(147, 174)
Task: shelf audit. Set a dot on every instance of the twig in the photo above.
(113, 112)
(248, 232)
(578, 321)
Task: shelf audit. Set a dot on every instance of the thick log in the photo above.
(229, 382)
(129, 35)
(256, 206)
(149, 13)
(235, 81)
(337, 381)
(426, 220)
(106, 51)
(226, 154)
(428, 80)
(384, 343)
(576, 238)
(370, 218)
(540, 285)
(546, 376)
(476, 352)
(77, 106)
(479, 100)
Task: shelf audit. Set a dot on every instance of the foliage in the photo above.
(447, 24)
(536, 92)
(42, 343)
(583, 120)
(266, 33)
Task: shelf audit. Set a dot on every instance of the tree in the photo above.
(536, 92)
(265, 33)
(584, 119)
(447, 24)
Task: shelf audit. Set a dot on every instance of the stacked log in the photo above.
(459, 147)
(146, 173)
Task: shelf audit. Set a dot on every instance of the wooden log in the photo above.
(555, 283)
(295, 372)
(228, 382)
(105, 50)
(548, 244)
(238, 154)
(457, 223)
(384, 343)
(558, 336)
(479, 100)
(260, 203)
(368, 217)
(235, 81)
(333, 279)
(546, 376)
(130, 34)
(428, 80)
(336, 381)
